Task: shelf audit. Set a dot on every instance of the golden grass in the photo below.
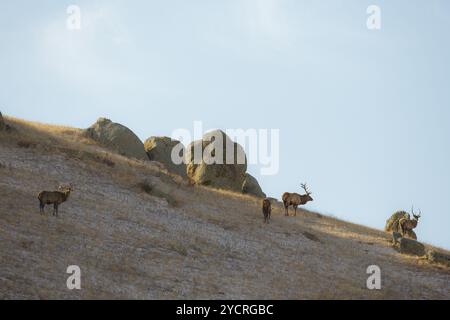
(72, 142)
(39, 126)
(42, 130)
(207, 243)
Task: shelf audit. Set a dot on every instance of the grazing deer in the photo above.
(406, 225)
(53, 197)
(266, 209)
(295, 199)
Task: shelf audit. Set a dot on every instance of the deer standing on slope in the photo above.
(406, 225)
(295, 199)
(267, 210)
(54, 197)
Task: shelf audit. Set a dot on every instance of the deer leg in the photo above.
(295, 211)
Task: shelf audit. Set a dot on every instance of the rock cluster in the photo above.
(215, 160)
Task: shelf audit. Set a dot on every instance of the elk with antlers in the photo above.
(406, 225)
(54, 197)
(295, 199)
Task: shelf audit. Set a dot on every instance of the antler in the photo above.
(414, 214)
(303, 185)
(63, 187)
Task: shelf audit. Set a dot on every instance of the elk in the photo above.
(406, 225)
(266, 209)
(295, 199)
(54, 197)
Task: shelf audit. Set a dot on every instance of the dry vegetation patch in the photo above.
(156, 191)
(26, 144)
(138, 232)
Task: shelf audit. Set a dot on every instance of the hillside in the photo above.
(140, 232)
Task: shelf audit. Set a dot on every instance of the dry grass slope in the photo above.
(139, 232)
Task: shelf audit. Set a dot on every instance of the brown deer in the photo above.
(53, 197)
(295, 199)
(406, 225)
(266, 209)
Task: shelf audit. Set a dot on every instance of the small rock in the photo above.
(412, 247)
(438, 257)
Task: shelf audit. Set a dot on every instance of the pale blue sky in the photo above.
(364, 115)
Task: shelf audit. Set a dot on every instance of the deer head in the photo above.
(416, 217)
(307, 192)
(65, 188)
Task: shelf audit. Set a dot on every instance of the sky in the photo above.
(363, 114)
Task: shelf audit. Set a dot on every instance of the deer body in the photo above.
(53, 197)
(267, 210)
(406, 225)
(295, 200)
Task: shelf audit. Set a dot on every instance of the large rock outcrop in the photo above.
(216, 161)
(160, 149)
(118, 138)
(251, 186)
(392, 222)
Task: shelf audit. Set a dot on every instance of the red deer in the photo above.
(295, 199)
(53, 197)
(406, 225)
(267, 210)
